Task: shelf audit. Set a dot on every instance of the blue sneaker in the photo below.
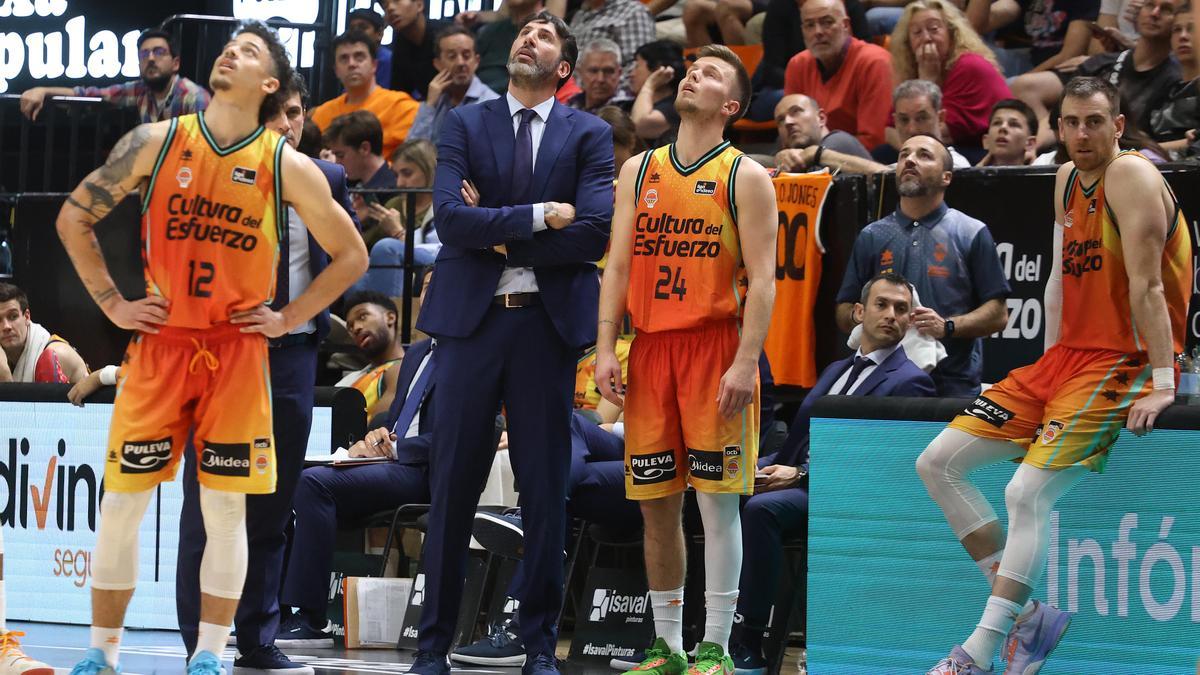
(430, 663)
(501, 647)
(542, 664)
(205, 663)
(268, 660)
(958, 663)
(747, 661)
(1030, 641)
(502, 534)
(93, 663)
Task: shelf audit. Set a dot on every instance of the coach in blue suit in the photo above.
(293, 361)
(513, 301)
(779, 507)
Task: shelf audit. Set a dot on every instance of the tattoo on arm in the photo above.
(102, 296)
(105, 187)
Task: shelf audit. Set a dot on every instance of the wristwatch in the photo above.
(949, 327)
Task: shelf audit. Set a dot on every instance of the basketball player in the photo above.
(212, 185)
(1115, 309)
(693, 220)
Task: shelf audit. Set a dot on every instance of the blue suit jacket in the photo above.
(574, 165)
(413, 451)
(318, 259)
(897, 376)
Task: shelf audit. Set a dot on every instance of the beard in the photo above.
(529, 74)
(916, 187)
(378, 345)
(158, 83)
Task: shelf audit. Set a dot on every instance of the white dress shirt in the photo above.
(876, 358)
(415, 427)
(299, 272)
(521, 279)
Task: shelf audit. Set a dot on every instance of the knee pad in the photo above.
(943, 467)
(115, 561)
(223, 565)
(722, 541)
(1030, 497)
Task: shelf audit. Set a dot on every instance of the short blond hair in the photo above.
(963, 38)
(742, 77)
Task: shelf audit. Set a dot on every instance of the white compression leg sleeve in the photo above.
(722, 563)
(1030, 497)
(223, 565)
(115, 561)
(943, 468)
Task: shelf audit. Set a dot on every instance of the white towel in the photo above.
(35, 344)
(923, 350)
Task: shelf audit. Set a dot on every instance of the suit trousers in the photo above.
(515, 356)
(327, 495)
(767, 519)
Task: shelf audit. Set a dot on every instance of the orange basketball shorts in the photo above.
(1067, 409)
(674, 435)
(213, 381)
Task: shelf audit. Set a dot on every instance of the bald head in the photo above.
(800, 121)
(826, 29)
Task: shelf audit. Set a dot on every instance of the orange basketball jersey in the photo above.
(1095, 309)
(210, 223)
(687, 259)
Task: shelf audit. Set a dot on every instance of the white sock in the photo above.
(719, 609)
(990, 566)
(211, 638)
(667, 607)
(108, 640)
(998, 618)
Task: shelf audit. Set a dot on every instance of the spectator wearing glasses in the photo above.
(159, 94)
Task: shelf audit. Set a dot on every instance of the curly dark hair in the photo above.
(281, 64)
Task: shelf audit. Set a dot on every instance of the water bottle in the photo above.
(1193, 371)
(1188, 383)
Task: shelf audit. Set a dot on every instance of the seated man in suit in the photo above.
(779, 508)
(328, 494)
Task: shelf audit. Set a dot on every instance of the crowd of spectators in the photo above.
(922, 88)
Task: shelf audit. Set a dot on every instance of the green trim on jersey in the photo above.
(223, 152)
(689, 170)
(162, 155)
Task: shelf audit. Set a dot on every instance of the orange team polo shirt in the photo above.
(857, 99)
(396, 111)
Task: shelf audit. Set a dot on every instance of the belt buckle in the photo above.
(508, 304)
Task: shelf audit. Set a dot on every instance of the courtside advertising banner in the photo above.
(51, 470)
(892, 591)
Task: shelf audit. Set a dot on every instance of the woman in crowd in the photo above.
(1175, 119)
(658, 69)
(385, 227)
(933, 41)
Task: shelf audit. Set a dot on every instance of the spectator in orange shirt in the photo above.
(354, 64)
(849, 78)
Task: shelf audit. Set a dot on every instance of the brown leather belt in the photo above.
(514, 300)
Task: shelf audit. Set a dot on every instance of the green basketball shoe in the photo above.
(711, 660)
(660, 661)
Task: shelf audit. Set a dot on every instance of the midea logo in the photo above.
(67, 53)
